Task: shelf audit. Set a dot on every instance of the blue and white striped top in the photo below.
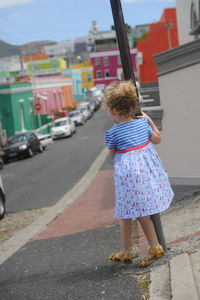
(129, 134)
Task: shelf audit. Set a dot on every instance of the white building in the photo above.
(179, 73)
(59, 49)
(188, 12)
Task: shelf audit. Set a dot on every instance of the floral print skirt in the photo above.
(142, 187)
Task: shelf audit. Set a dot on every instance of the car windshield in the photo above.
(60, 123)
(74, 114)
(17, 139)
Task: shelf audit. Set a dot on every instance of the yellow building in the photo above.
(86, 74)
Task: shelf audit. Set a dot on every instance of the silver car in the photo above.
(85, 111)
(77, 117)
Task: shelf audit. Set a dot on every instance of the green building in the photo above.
(16, 108)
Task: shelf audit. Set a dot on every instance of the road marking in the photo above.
(9, 247)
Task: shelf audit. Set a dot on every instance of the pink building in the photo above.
(107, 65)
(52, 93)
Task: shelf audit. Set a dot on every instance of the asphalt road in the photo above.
(42, 180)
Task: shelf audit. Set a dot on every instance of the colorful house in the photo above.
(76, 77)
(82, 77)
(52, 93)
(10, 67)
(107, 65)
(46, 66)
(162, 36)
(16, 108)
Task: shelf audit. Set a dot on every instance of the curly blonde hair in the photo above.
(121, 97)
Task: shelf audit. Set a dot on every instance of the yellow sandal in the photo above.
(158, 252)
(121, 257)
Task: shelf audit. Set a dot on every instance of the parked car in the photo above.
(85, 111)
(22, 145)
(2, 195)
(77, 117)
(96, 103)
(87, 105)
(92, 105)
(62, 127)
(95, 94)
(45, 140)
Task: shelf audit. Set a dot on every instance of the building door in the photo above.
(22, 117)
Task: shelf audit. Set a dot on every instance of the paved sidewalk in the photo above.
(68, 260)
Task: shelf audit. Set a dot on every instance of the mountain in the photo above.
(8, 49)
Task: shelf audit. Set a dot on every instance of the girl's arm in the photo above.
(156, 137)
(112, 152)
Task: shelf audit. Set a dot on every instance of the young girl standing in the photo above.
(141, 182)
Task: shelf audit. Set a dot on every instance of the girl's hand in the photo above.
(156, 138)
(144, 116)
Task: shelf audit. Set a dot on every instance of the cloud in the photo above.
(134, 1)
(9, 3)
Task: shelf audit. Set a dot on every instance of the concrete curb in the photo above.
(160, 285)
(9, 247)
(182, 280)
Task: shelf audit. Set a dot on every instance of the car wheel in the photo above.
(40, 150)
(2, 207)
(5, 160)
(30, 152)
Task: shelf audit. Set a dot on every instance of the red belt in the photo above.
(133, 148)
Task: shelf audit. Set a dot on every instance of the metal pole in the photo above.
(168, 26)
(33, 83)
(159, 230)
(124, 50)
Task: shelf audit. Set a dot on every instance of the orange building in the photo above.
(162, 36)
(34, 57)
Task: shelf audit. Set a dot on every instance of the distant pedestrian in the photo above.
(141, 182)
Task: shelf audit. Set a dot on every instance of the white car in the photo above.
(62, 127)
(45, 140)
(77, 117)
(85, 111)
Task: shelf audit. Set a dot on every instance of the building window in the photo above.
(89, 77)
(119, 62)
(194, 24)
(98, 73)
(107, 73)
(106, 61)
(98, 61)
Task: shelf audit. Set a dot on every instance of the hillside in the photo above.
(8, 49)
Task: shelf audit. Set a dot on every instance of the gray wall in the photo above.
(179, 82)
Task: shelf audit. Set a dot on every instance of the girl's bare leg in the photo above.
(126, 235)
(149, 231)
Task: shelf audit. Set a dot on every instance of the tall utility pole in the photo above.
(124, 50)
(34, 83)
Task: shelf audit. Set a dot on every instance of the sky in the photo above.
(23, 21)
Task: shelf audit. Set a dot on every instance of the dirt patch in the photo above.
(14, 222)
